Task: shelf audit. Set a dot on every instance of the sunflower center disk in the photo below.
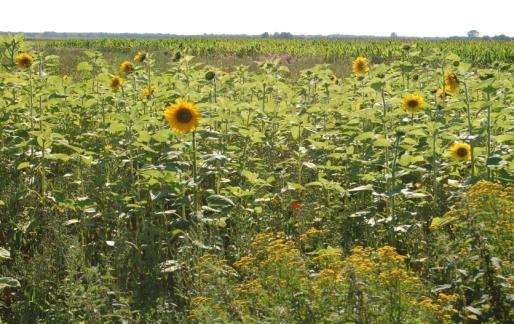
(184, 116)
(412, 103)
(462, 152)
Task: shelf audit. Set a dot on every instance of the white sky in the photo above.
(355, 17)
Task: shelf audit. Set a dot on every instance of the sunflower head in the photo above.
(126, 67)
(210, 75)
(183, 116)
(140, 57)
(461, 151)
(66, 78)
(334, 79)
(148, 92)
(360, 65)
(439, 92)
(413, 103)
(116, 83)
(451, 82)
(24, 60)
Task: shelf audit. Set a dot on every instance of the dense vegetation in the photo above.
(382, 197)
(480, 52)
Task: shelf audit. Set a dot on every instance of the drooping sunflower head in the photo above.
(209, 76)
(183, 116)
(126, 67)
(451, 82)
(140, 57)
(148, 92)
(461, 151)
(360, 65)
(413, 103)
(116, 83)
(24, 60)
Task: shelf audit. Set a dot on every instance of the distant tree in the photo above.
(473, 33)
(265, 35)
(501, 37)
(394, 35)
(282, 35)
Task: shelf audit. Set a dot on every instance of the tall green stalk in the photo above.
(470, 129)
(195, 180)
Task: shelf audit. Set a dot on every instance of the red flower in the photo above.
(296, 205)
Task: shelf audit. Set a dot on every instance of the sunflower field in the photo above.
(198, 194)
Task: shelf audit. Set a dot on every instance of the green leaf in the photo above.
(464, 67)
(162, 135)
(84, 67)
(4, 253)
(219, 201)
(58, 156)
(361, 188)
(295, 132)
(8, 282)
(250, 176)
(23, 165)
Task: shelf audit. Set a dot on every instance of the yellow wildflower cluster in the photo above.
(275, 273)
(312, 234)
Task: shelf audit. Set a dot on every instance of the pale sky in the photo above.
(356, 17)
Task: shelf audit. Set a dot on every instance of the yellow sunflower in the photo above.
(147, 92)
(116, 83)
(413, 103)
(127, 67)
(461, 151)
(24, 60)
(140, 57)
(452, 82)
(183, 116)
(334, 79)
(360, 65)
(65, 78)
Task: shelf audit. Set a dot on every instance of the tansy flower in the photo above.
(147, 92)
(127, 67)
(413, 103)
(360, 65)
(116, 83)
(140, 57)
(24, 60)
(451, 82)
(183, 116)
(461, 151)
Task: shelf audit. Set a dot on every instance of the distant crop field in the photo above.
(476, 51)
(256, 181)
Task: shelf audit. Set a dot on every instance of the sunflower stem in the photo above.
(31, 95)
(393, 177)
(434, 166)
(195, 184)
(214, 90)
(470, 129)
(488, 136)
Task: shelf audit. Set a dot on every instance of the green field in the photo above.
(256, 181)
